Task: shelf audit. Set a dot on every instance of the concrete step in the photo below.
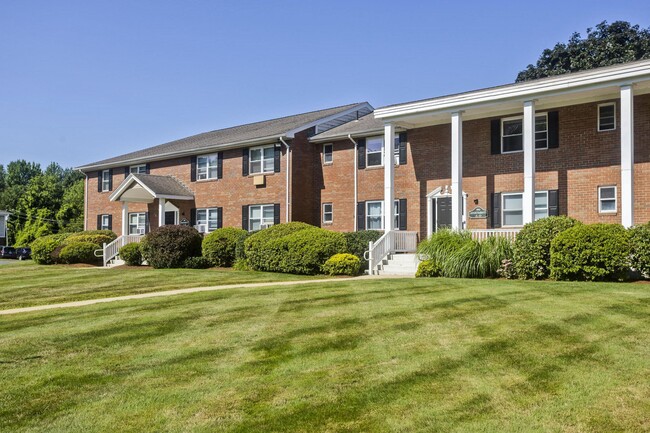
(398, 273)
(115, 262)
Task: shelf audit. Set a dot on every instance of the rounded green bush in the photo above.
(357, 243)
(44, 247)
(640, 244)
(595, 252)
(197, 263)
(342, 264)
(428, 268)
(131, 254)
(169, 246)
(97, 237)
(79, 252)
(258, 251)
(532, 248)
(219, 246)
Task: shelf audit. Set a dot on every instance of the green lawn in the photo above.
(24, 284)
(348, 356)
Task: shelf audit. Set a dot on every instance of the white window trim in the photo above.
(600, 200)
(368, 203)
(383, 145)
(207, 167)
(547, 210)
(383, 217)
(507, 119)
(331, 154)
(331, 212)
(106, 180)
(105, 222)
(607, 104)
(207, 210)
(137, 225)
(135, 169)
(503, 209)
(261, 219)
(250, 159)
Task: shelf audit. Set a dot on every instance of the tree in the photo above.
(70, 215)
(607, 44)
(21, 172)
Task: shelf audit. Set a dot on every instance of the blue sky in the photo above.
(85, 80)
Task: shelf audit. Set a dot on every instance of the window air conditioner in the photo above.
(201, 228)
(140, 230)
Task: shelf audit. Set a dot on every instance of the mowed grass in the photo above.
(393, 355)
(24, 284)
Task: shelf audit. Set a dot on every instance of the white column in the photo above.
(457, 170)
(529, 162)
(389, 176)
(125, 218)
(627, 156)
(161, 212)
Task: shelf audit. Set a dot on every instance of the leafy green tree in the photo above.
(607, 44)
(70, 215)
(21, 172)
(2, 178)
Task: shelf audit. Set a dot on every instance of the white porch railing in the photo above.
(111, 250)
(395, 241)
(482, 234)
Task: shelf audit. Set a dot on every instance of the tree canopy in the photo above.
(605, 45)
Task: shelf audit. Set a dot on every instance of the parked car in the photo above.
(23, 253)
(7, 252)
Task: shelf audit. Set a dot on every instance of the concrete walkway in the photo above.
(172, 293)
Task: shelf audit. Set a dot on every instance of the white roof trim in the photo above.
(292, 133)
(357, 134)
(610, 76)
(126, 183)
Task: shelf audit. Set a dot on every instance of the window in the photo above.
(260, 217)
(262, 159)
(106, 180)
(106, 222)
(206, 167)
(328, 213)
(374, 215)
(607, 117)
(397, 212)
(513, 208)
(208, 218)
(137, 223)
(375, 151)
(607, 199)
(512, 130)
(328, 153)
(138, 169)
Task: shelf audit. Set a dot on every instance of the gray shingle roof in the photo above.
(227, 136)
(366, 125)
(164, 185)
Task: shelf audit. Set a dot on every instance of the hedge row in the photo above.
(70, 247)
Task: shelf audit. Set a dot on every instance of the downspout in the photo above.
(356, 198)
(288, 196)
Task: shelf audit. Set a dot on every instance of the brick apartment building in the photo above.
(492, 159)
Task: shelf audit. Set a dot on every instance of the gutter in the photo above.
(288, 203)
(356, 198)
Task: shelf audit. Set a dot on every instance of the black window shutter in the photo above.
(127, 171)
(99, 181)
(276, 213)
(110, 222)
(244, 217)
(553, 129)
(402, 214)
(361, 152)
(99, 222)
(146, 222)
(554, 202)
(147, 168)
(244, 165)
(110, 179)
(276, 158)
(496, 136)
(361, 215)
(402, 148)
(219, 217)
(496, 210)
(219, 165)
(193, 217)
(193, 169)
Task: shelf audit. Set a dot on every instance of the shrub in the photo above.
(197, 263)
(342, 264)
(428, 268)
(220, 245)
(44, 247)
(79, 252)
(97, 237)
(169, 246)
(442, 244)
(478, 259)
(131, 254)
(595, 252)
(240, 247)
(257, 250)
(241, 265)
(357, 243)
(507, 269)
(640, 244)
(532, 248)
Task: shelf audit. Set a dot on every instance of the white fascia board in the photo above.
(125, 184)
(292, 133)
(624, 74)
(175, 197)
(356, 134)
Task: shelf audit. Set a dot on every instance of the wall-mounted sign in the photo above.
(185, 222)
(478, 212)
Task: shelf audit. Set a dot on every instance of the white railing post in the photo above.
(370, 247)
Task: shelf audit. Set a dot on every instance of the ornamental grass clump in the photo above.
(442, 244)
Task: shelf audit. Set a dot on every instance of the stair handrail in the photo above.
(112, 249)
(390, 242)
